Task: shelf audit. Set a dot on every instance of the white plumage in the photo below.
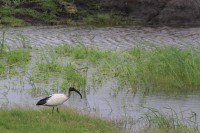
(56, 99)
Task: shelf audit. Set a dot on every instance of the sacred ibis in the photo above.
(55, 100)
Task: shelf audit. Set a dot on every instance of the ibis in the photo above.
(55, 100)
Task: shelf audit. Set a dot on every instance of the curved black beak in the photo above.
(73, 89)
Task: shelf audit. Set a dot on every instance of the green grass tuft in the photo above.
(107, 19)
(73, 77)
(64, 50)
(93, 55)
(2, 68)
(17, 56)
(50, 67)
(160, 122)
(169, 67)
(12, 21)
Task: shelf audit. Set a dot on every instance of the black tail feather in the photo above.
(43, 101)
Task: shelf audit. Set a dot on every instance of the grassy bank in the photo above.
(67, 121)
(54, 12)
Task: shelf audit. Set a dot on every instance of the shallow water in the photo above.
(109, 37)
(102, 101)
(124, 106)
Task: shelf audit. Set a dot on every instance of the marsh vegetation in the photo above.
(168, 122)
(156, 70)
(166, 69)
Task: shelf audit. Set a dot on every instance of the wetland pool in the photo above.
(16, 91)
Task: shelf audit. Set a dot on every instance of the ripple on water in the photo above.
(110, 37)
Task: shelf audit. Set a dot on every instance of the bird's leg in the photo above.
(52, 110)
(57, 110)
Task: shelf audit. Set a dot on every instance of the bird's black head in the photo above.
(73, 89)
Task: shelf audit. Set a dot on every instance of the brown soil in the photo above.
(151, 12)
(29, 19)
(159, 12)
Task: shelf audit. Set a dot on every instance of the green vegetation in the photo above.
(54, 69)
(16, 57)
(49, 67)
(20, 56)
(165, 69)
(12, 21)
(93, 55)
(109, 20)
(26, 13)
(2, 68)
(69, 121)
(168, 68)
(73, 77)
(51, 12)
(160, 122)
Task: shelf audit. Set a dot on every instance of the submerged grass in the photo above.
(68, 121)
(168, 68)
(2, 68)
(69, 74)
(50, 67)
(159, 69)
(73, 77)
(21, 56)
(9, 59)
(165, 69)
(91, 54)
(160, 122)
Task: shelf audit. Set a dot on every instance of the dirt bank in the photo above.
(148, 12)
(160, 12)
